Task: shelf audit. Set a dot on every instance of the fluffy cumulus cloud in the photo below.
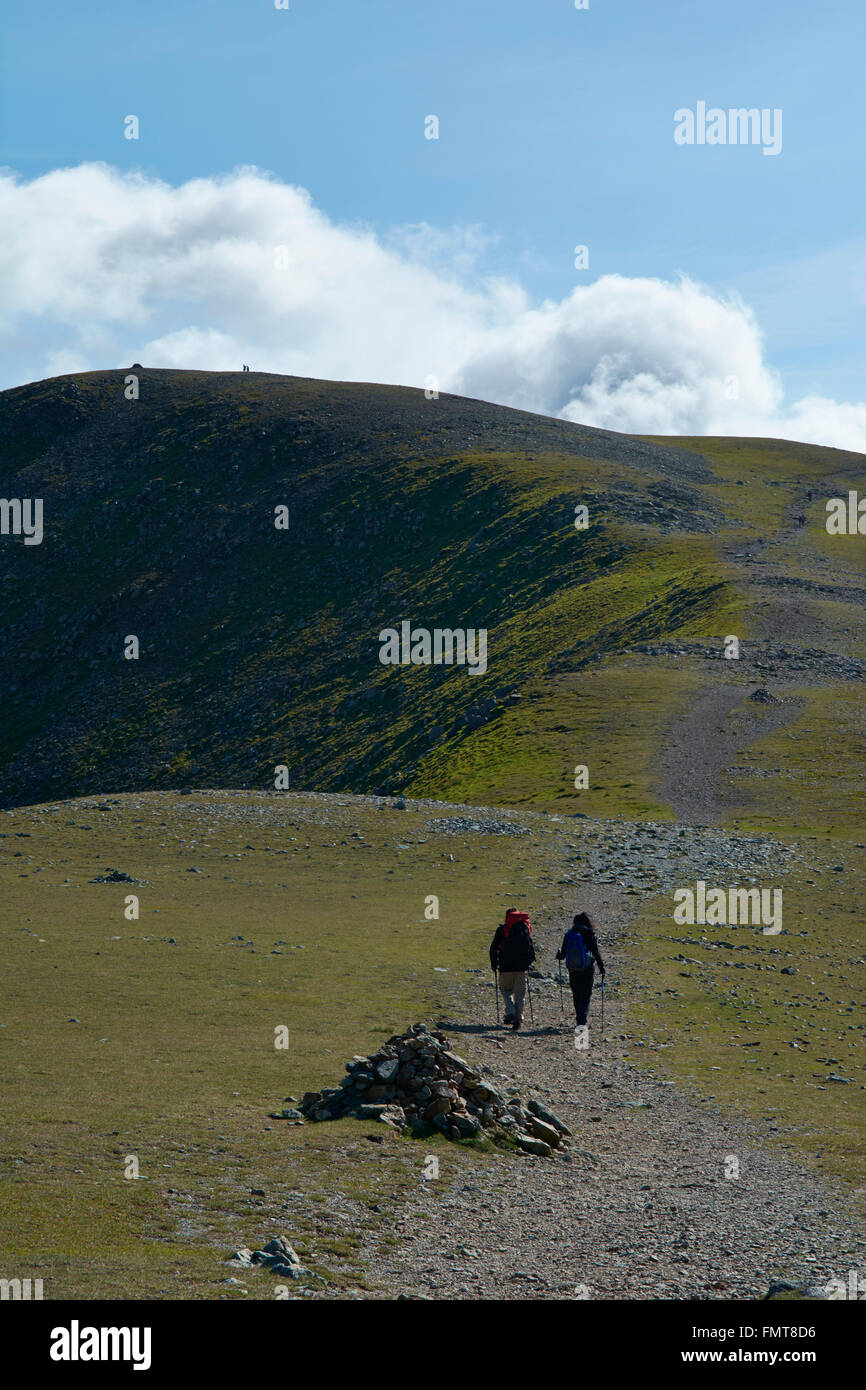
(99, 268)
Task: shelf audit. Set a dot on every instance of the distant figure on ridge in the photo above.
(511, 954)
(579, 949)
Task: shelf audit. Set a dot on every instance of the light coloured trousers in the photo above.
(512, 983)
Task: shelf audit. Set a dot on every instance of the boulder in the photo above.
(533, 1146)
(278, 1256)
(540, 1130)
(484, 1092)
(242, 1257)
(281, 1248)
(548, 1116)
(466, 1125)
(395, 1116)
(439, 1105)
(387, 1070)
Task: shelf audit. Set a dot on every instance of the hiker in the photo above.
(511, 954)
(579, 948)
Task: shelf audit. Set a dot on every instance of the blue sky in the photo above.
(555, 129)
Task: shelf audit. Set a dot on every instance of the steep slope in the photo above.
(259, 646)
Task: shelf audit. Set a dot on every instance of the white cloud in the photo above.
(99, 268)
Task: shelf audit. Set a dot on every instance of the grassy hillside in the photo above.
(260, 646)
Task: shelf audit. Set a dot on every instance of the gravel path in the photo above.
(641, 1208)
(705, 742)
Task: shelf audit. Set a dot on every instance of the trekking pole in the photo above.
(496, 991)
(602, 1008)
(529, 994)
(559, 976)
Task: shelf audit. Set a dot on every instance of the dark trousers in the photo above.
(581, 982)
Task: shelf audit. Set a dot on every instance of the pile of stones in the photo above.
(416, 1082)
(278, 1256)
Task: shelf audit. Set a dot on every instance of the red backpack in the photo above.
(512, 917)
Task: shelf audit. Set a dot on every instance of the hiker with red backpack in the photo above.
(579, 950)
(511, 954)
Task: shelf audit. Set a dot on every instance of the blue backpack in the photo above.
(577, 954)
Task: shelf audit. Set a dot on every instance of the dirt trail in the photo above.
(642, 1209)
(706, 741)
(787, 650)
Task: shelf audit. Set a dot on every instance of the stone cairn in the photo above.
(416, 1082)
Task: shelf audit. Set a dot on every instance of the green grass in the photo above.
(810, 769)
(610, 718)
(173, 1057)
(728, 1026)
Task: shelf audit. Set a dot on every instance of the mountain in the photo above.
(260, 646)
(168, 915)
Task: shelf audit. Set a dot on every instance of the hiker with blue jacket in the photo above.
(579, 949)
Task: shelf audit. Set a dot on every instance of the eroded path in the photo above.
(707, 741)
(642, 1207)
